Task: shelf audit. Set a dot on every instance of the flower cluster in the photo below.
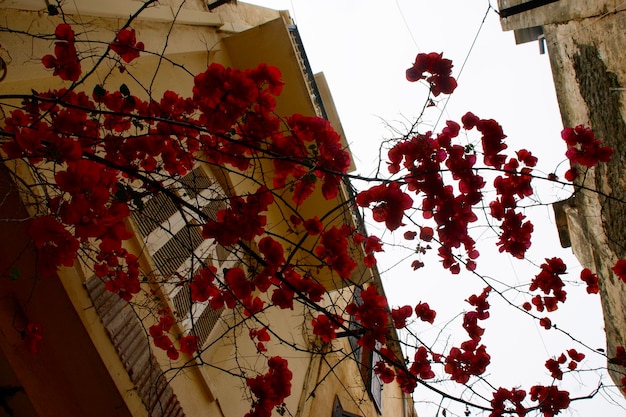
(159, 333)
(550, 399)
(241, 220)
(502, 397)
(590, 279)
(126, 46)
(549, 281)
(439, 69)
(554, 364)
(333, 249)
(470, 359)
(470, 319)
(583, 149)
(391, 203)
(65, 59)
(325, 327)
(373, 315)
(271, 388)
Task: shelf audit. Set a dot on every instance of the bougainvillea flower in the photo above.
(126, 45)
(620, 269)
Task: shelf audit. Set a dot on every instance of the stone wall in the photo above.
(585, 42)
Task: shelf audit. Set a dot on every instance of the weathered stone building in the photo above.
(586, 41)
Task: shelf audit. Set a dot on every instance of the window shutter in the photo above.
(376, 384)
(173, 238)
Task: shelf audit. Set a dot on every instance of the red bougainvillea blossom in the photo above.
(425, 313)
(470, 319)
(620, 269)
(161, 338)
(271, 388)
(420, 367)
(55, 245)
(584, 148)
(439, 68)
(325, 327)
(590, 279)
(400, 315)
(550, 399)
(371, 245)
(333, 249)
(189, 344)
(262, 336)
(504, 400)
(33, 336)
(391, 203)
(241, 220)
(470, 359)
(373, 315)
(126, 45)
(554, 364)
(65, 59)
(549, 282)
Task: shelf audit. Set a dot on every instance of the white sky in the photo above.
(364, 48)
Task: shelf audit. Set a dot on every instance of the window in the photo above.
(366, 360)
(173, 239)
(338, 410)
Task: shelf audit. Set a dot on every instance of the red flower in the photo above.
(575, 356)
(385, 373)
(65, 59)
(262, 336)
(406, 381)
(470, 359)
(64, 32)
(33, 335)
(620, 357)
(545, 323)
(426, 233)
(620, 269)
(440, 69)
(313, 226)
(202, 287)
(410, 235)
(399, 316)
(554, 366)
(391, 203)
(421, 365)
(271, 388)
(502, 396)
(126, 45)
(189, 344)
(424, 313)
(325, 328)
(584, 148)
(55, 245)
(550, 400)
(590, 279)
(333, 250)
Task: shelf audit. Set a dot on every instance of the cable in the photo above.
(406, 24)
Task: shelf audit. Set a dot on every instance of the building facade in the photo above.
(96, 358)
(585, 42)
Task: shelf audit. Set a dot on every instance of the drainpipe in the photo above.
(524, 7)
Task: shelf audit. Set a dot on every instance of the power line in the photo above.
(469, 52)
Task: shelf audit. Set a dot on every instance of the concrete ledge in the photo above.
(123, 9)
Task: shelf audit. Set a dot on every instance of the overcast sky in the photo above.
(364, 48)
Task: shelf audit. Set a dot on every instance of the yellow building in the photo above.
(96, 357)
